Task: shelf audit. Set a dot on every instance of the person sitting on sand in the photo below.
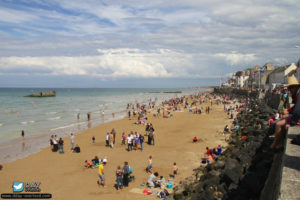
(150, 181)
(76, 149)
(195, 139)
(161, 182)
(95, 161)
(88, 164)
(226, 129)
(208, 151)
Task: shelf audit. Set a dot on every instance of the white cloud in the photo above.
(235, 58)
(171, 38)
(15, 16)
(112, 63)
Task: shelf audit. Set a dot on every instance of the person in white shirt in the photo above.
(72, 140)
(129, 142)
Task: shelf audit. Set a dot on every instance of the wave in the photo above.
(50, 113)
(31, 122)
(54, 118)
(67, 126)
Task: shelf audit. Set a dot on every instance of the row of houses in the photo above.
(265, 77)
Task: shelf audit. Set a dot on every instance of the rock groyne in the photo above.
(243, 169)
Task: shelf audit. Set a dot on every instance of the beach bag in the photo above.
(161, 195)
(166, 192)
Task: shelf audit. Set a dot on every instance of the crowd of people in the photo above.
(135, 141)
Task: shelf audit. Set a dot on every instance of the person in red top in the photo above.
(293, 116)
(208, 152)
(195, 139)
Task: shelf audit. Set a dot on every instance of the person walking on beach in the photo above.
(102, 115)
(101, 180)
(123, 138)
(51, 142)
(114, 134)
(61, 145)
(23, 134)
(107, 139)
(119, 176)
(126, 174)
(111, 139)
(72, 140)
(129, 142)
(93, 139)
(141, 141)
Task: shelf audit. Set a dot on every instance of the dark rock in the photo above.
(232, 172)
(220, 164)
(251, 182)
(215, 173)
(232, 186)
(180, 193)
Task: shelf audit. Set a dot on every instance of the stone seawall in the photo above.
(241, 172)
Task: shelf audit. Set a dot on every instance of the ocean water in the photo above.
(42, 117)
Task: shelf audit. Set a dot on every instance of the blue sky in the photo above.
(137, 43)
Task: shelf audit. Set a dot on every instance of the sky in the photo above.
(142, 43)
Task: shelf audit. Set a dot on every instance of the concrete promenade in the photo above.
(290, 182)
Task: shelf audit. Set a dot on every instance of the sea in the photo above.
(42, 117)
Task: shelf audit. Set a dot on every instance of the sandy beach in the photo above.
(65, 177)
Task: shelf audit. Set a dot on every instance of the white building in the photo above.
(279, 75)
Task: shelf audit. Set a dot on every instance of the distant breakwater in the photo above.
(245, 169)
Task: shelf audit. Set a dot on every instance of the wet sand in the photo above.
(64, 176)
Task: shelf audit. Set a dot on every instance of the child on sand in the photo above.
(149, 167)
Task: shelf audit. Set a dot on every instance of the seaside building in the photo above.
(279, 75)
(240, 79)
(297, 73)
(266, 77)
(255, 78)
(264, 74)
